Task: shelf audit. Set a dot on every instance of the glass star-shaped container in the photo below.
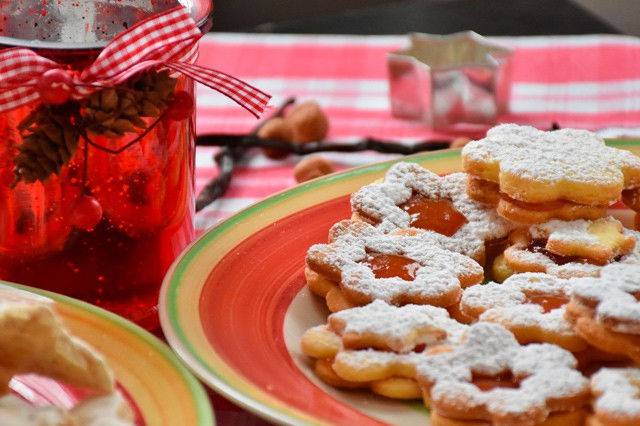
(444, 80)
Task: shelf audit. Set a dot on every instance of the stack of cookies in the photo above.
(506, 294)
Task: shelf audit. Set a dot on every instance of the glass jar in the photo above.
(105, 227)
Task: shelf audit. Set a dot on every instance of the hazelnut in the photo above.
(308, 121)
(275, 128)
(312, 167)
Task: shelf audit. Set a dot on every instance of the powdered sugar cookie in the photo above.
(492, 378)
(616, 402)
(568, 248)
(536, 176)
(412, 197)
(361, 264)
(605, 310)
(376, 346)
(530, 305)
(34, 340)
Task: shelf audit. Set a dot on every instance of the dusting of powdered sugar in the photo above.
(519, 255)
(483, 297)
(573, 231)
(380, 204)
(507, 303)
(614, 294)
(552, 156)
(558, 233)
(402, 328)
(546, 372)
(633, 257)
(514, 290)
(530, 316)
(438, 270)
(370, 359)
(616, 391)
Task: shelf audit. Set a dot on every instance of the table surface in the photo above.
(582, 81)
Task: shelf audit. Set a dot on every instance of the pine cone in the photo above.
(114, 111)
(49, 141)
(156, 89)
(50, 134)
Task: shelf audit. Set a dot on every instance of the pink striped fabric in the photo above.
(590, 82)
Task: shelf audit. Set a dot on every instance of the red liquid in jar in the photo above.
(146, 193)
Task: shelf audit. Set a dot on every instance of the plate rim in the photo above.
(197, 393)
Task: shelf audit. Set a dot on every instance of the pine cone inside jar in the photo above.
(156, 89)
(114, 111)
(50, 134)
(49, 141)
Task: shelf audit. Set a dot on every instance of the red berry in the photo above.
(55, 86)
(86, 213)
(181, 107)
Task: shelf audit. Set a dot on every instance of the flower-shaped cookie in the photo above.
(616, 401)
(530, 305)
(401, 329)
(365, 264)
(569, 248)
(492, 377)
(565, 174)
(378, 345)
(413, 197)
(605, 310)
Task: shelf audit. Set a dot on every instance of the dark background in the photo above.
(486, 17)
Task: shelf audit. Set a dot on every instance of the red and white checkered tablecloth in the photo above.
(590, 82)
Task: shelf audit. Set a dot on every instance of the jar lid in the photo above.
(84, 23)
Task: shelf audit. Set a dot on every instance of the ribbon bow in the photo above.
(167, 39)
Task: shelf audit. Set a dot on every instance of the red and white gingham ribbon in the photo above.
(167, 39)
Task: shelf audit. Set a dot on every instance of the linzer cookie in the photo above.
(568, 248)
(530, 305)
(492, 378)
(361, 264)
(533, 176)
(377, 346)
(605, 311)
(616, 402)
(410, 196)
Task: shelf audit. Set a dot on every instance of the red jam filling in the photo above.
(548, 302)
(503, 380)
(434, 215)
(538, 246)
(392, 265)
